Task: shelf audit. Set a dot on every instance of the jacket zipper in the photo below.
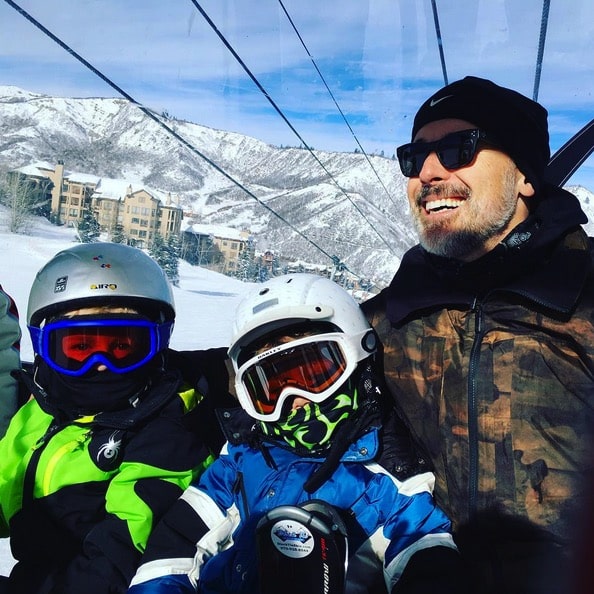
(31, 470)
(55, 459)
(473, 445)
(32, 467)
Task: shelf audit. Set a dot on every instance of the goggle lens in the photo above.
(312, 367)
(75, 346)
(453, 151)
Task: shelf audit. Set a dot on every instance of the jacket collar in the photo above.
(546, 260)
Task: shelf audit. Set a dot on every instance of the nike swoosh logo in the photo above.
(434, 102)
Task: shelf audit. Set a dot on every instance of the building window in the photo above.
(143, 223)
(145, 211)
(73, 212)
(74, 201)
(135, 220)
(234, 245)
(142, 234)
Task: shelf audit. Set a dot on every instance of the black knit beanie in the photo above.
(517, 125)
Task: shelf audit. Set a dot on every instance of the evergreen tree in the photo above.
(247, 269)
(118, 235)
(166, 254)
(88, 230)
(173, 254)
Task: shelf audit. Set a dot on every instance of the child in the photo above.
(107, 441)
(303, 354)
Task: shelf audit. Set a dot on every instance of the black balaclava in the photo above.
(96, 391)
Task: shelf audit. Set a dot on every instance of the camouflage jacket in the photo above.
(492, 366)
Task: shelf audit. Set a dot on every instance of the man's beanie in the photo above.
(515, 124)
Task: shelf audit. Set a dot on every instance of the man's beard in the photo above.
(482, 222)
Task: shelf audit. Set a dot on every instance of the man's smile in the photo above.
(441, 204)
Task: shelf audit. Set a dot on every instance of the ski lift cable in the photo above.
(335, 101)
(285, 119)
(439, 41)
(149, 113)
(541, 44)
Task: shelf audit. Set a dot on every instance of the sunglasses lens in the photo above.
(457, 150)
(408, 157)
(311, 367)
(453, 151)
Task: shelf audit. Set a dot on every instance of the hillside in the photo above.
(326, 204)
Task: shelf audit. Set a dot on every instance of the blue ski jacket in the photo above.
(206, 542)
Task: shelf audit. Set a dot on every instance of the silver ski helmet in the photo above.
(100, 274)
(286, 303)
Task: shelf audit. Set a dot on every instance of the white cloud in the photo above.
(379, 57)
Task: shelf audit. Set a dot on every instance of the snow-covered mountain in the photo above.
(347, 205)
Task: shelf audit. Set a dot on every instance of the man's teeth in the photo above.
(443, 203)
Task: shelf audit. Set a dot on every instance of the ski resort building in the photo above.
(128, 208)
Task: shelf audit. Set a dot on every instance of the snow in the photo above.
(205, 300)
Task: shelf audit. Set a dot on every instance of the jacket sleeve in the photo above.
(171, 584)
(10, 336)
(160, 461)
(197, 527)
(414, 525)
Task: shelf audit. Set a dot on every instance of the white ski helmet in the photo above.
(290, 300)
(100, 273)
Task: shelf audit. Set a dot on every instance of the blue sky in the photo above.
(379, 58)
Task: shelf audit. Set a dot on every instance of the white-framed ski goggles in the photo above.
(312, 367)
(73, 347)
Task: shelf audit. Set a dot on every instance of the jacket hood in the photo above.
(545, 259)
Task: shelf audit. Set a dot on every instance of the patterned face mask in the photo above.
(312, 426)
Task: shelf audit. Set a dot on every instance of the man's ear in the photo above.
(525, 188)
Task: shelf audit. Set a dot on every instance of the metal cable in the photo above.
(163, 125)
(541, 44)
(285, 119)
(439, 41)
(335, 101)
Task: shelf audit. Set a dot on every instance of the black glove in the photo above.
(435, 570)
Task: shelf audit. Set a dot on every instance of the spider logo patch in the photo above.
(111, 448)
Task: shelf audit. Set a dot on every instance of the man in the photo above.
(488, 332)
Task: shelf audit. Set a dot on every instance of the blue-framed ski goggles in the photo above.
(73, 347)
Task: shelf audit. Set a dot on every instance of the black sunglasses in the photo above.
(453, 151)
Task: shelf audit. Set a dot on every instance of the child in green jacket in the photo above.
(108, 440)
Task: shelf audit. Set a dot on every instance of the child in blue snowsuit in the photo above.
(309, 428)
